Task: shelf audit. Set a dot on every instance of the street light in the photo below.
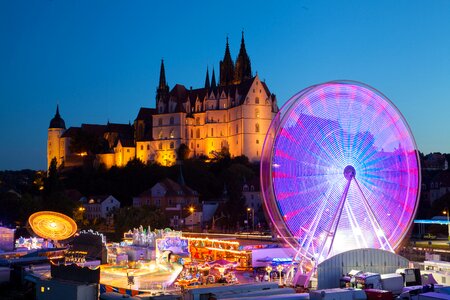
(446, 212)
(252, 215)
(192, 210)
(280, 269)
(268, 270)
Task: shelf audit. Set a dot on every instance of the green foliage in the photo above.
(183, 152)
(127, 218)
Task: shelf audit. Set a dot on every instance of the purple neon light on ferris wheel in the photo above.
(340, 171)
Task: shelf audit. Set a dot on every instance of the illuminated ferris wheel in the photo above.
(340, 171)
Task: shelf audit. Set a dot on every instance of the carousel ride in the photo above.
(53, 226)
(339, 171)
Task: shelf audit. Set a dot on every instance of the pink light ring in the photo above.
(274, 210)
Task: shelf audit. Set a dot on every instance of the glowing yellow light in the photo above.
(191, 209)
(52, 225)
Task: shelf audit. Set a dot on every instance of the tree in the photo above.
(183, 152)
(127, 218)
(53, 196)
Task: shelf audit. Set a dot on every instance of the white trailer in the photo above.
(392, 282)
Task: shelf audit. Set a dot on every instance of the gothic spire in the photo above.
(207, 79)
(162, 92)
(213, 80)
(162, 76)
(243, 68)
(226, 67)
(57, 111)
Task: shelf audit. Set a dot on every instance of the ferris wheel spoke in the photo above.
(379, 232)
(317, 219)
(356, 229)
(335, 222)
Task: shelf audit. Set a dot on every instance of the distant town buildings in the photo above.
(100, 207)
(234, 112)
(174, 199)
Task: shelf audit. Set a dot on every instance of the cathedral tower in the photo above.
(162, 92)
(226, 68)
(55, 146)
(243, 67)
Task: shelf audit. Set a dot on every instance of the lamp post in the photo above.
(446, 212)
(268, 270)
(279, 269)
(214, 220)
(252, 215)
(192, 210)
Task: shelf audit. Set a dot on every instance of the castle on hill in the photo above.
(233, 113)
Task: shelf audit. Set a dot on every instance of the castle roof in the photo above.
(145, 113)
(121, 129)
(126, 143)
(71, 132)
(180, 95)
(57, 121)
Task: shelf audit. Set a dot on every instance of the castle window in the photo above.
(160, 121)
(257, 127)
(160, 146)
(257, 141)
(142, 147)
(197, 121)
(253, 90)
(171, 134)
(257, 82)
(148, 146)
(192, 145)
(256, 113)
(128, 150)
(237, 128)
(161, 109)
(171, 121)
(212, 131)
(192, 133)
(224, 105)
(160, 135)
(256, 100)
(198, 145)
(197, 133)
(172, 145)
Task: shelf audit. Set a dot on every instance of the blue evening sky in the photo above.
(100, 59)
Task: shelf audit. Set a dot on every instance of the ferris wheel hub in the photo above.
(349, 172)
